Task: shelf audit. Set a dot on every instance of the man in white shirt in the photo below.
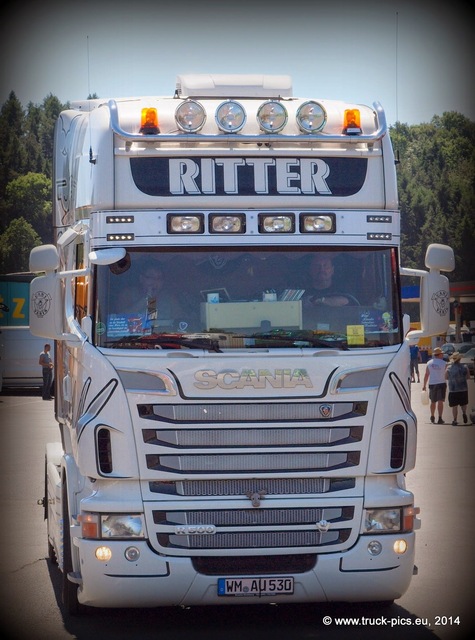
(435, 374)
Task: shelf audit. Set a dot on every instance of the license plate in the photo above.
(255, 586)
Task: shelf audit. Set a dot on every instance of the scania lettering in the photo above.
(232, 360)
(249, 378)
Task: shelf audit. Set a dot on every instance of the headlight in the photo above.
(397, 519)
(111, 525)
(383, 520)
(121, 526)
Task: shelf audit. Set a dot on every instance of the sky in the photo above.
(413, 57)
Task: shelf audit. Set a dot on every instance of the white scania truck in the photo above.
(232, 368)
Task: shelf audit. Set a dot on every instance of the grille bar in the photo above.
(251, 412)
(258, 462)
(295, 436)
(255, 539)
(253, 517)
(238, 487)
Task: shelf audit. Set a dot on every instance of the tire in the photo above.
(69, 589)
(51, 552)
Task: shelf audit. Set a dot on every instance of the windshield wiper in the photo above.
(165, 341)
(299, 338)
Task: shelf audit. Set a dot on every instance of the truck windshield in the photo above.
(248, 297)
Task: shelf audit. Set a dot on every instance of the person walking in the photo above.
(457, 375)
(46, 363)
(415, 359)
(435, 375)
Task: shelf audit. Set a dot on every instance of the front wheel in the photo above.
(51, 551)
(69, 589)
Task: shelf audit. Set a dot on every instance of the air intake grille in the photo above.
(104, 450)
(398, 446)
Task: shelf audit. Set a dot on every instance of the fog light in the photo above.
(318, 223)
(374, 548)
(228, 224)
(276, 224)
(400, 547)
(104, 554)
(185, 224)
(132, 554)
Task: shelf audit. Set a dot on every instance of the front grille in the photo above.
(253, 462)
(236, 463)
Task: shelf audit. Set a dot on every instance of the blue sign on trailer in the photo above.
(14, 300)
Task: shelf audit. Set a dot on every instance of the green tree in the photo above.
(436, 189)
(15, 246)
(51, 109)
(35, 160)
(29, 196)
(11, 147)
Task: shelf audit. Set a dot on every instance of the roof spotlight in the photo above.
(230, 116)
(272, 116)
(190, 116)
(311, 117)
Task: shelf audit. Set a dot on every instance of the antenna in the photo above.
(397, 160)
(88, 69)
(92, 160)
(397, 67)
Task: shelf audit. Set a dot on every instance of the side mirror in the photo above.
(435, 304)
(45, 308)
(440, 257)
(434, 291)
(44, 258)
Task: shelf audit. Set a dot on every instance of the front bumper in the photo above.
(154, 581)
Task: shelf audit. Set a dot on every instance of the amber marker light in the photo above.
(89, 525)
(352, 122)
(149, 121)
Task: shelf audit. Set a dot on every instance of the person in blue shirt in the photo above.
(415, 359)
(457, 375)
